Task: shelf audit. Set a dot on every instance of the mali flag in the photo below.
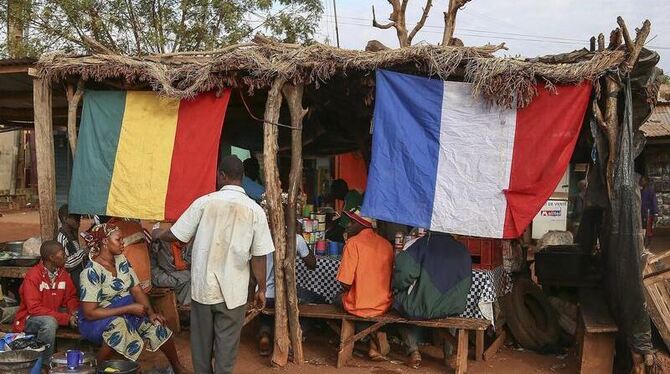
(141, 155)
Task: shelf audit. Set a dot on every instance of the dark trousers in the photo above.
(215, 328)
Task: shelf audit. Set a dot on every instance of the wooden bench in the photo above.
(62, 332)
(597, 333)
(348, 335)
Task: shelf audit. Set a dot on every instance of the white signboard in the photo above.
(552, 216)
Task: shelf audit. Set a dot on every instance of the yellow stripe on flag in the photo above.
(143, 156)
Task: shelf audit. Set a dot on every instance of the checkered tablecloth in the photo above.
(487, 285)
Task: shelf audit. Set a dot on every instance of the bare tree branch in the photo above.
(450, 20)
(422, 21)
(377, 24)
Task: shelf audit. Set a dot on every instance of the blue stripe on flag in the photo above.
(405, 149)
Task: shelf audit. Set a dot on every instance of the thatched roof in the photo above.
(253, 66)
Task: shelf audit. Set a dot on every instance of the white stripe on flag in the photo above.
(475, 158)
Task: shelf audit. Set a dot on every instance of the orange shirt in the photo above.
(367, 265)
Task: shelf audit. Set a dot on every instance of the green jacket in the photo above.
(432, 278)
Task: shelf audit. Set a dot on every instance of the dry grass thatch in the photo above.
(505, 81)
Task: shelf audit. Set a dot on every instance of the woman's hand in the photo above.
(157, 319)
(137, 309)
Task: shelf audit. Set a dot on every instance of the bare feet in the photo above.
(414, 360)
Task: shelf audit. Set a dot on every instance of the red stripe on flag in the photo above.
(546, 133)
(196, 151)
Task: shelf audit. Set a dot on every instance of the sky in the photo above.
(528, 27)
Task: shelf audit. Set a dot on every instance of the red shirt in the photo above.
(41, 297)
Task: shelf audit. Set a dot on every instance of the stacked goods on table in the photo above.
(314, 232)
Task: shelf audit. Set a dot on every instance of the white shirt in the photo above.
(230, 229)
(302, 250)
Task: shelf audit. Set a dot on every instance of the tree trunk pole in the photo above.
(276, 218)
(44, 148)
(293, 95)
(73, 98)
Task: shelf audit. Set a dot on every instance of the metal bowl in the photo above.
(122, 366)
(17, 361)
(26, 261)
(15, 246)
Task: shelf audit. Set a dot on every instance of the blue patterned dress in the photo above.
(125, 334)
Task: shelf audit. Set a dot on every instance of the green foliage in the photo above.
(139, 27)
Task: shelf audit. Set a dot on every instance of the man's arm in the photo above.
(71, 301)
(258, 268)
(405, 271)
(305, 253)
(167, 236)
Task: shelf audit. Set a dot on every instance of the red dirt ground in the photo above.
(321, 349)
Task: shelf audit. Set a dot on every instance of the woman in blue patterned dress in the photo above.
(115, 312)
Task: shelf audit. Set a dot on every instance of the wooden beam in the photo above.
(73, 97)
(44, 148)
(492, 350)
(14, 69)
(276, 218)
(293, 95)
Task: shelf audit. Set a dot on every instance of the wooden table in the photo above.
(13, 271)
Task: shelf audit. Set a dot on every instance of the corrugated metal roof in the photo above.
(658, 123)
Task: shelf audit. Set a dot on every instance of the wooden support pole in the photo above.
(46, 167)
(601, 42)
(293, 95)
(73, 98)
(276, 218)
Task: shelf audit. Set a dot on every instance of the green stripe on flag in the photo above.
(101, 118)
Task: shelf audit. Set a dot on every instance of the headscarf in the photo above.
(97, 234)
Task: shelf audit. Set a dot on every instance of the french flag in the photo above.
(449, 162)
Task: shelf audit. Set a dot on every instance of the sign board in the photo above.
(563, 187)
(552, 216)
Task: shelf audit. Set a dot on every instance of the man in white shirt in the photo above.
(230, 231)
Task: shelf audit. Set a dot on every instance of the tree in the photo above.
(398, 21)
(138, 27)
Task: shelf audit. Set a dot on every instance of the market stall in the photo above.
(323, 79)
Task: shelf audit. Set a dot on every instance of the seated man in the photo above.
(68, 236)
(365, 275)
(431, 279)
(171, 267)
(251, 179)
(48, 298)
(304, 296)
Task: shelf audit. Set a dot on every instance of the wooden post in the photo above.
(293, 95)
(46, 167)
(276, 218)
(346, 350)
(73, 98)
